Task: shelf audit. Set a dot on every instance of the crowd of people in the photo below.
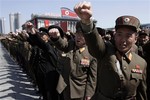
(90, 64)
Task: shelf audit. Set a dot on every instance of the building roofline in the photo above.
(55, 18)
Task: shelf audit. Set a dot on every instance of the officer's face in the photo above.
(45, 38)
(124, 39)
(143, 39)
(79, 40)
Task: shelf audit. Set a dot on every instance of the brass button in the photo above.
(125, 68)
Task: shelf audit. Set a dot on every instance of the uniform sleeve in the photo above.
(141, 90)
(64, 44)
(91, 81)
(94, 41)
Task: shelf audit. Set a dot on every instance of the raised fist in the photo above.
(54, 33)
(30, 28)
(84, 11)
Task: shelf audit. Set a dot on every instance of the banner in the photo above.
(65, 12)
(46, 22)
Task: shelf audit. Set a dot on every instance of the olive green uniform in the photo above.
(126, 83)
(79, 72)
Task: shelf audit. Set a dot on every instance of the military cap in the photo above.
(129, 21)
(43, 30)
(144, 32)
(57, 27)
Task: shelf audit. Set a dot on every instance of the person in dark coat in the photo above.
(47, 65)
(121, 72)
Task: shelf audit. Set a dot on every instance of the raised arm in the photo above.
(60, 42)
(94, 41)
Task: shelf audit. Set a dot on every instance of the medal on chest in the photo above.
(85, 62)
(137, 70)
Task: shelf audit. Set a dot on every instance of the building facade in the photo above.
(145, 26)
(66, 20)
(67, 24)
(2, 25)
(15, 21)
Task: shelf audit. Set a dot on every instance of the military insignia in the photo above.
(137, 70)
(85, 62)
(126, 20)
(82, 49)
(63, 54)
(137, 67)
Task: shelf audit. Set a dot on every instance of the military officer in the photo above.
(47, 62)
(144, 51)
(80, 68)
(143, 37)
(121, 72)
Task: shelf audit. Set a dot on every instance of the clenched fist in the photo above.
(30, 28)
(84, 11)
(54, 33)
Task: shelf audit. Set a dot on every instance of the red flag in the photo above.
(46, 22)
(65, 12)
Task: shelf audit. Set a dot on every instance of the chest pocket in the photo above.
(135, 78)
(81, 67)
(82, 63)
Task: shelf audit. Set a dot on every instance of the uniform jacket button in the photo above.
(125, 68)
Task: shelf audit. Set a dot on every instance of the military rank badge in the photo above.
(63, 54)
(85, 62)
(137, 70)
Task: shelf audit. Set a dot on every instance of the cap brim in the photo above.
(129, 26)
(43, 30)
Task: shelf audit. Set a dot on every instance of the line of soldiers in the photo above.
(67, 72)
(30, 57)
(91, 64)
(35, 62)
